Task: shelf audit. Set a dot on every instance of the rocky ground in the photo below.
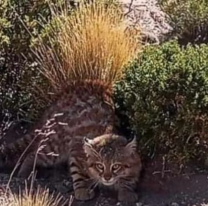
(160, 186)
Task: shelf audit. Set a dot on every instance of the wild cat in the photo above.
(79, 129)
(79, 126)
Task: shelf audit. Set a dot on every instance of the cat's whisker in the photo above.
(93, 186)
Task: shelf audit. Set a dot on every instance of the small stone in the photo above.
(183, 203)
(174, 204)
(139, 204)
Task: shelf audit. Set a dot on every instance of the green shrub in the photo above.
(21, 22)
(189, 18)
(164, 97)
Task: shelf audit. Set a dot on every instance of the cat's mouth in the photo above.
(110, 182)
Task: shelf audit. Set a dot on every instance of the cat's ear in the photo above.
(87, 146)
(131, 145)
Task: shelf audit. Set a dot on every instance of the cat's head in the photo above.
(111, 157)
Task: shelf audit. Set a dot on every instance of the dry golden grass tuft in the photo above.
(93, 42)
(28, 197)
(31, 195)
(41, 197)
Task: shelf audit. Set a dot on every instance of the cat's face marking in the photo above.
(110, 158)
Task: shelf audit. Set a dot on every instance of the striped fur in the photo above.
(112, 161)
(86, 110)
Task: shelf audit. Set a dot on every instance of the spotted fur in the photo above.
(79, 129)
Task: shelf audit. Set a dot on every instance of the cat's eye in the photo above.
(116, 166)
(99, 166)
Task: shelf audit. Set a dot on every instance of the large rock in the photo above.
(147, 15)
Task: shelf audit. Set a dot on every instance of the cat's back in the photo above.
(82, 111)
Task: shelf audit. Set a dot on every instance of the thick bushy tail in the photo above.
(91, 43)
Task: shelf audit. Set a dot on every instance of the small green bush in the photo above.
(17, 77)
(21, 23)
(164, 97)
(189, 18)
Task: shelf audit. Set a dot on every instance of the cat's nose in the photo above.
(107, 177)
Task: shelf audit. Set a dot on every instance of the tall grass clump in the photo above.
(92, 43)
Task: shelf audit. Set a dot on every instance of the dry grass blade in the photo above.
(38, 197)
(91, 43)
(30, 196)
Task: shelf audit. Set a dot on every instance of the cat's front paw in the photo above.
(84, 194)
(127, 196)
